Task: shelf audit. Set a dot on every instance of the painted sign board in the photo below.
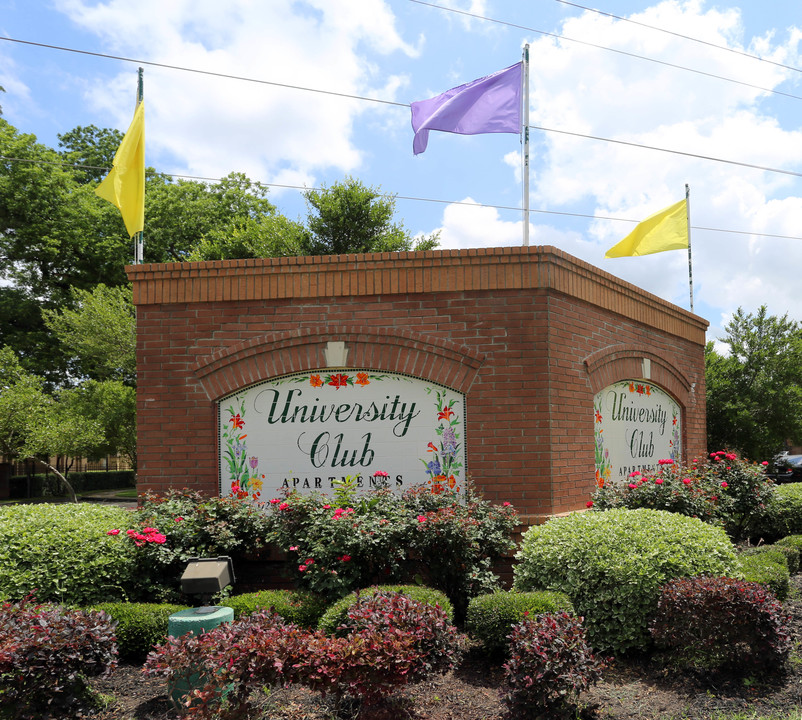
(311, 431)
(636, 425)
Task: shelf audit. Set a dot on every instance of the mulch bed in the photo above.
(635, 689)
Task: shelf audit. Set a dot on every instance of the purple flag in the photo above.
(491, 104)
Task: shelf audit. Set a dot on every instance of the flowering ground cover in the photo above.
(629, 690)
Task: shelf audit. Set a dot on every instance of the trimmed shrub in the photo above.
(235, 659)
(795, 542)
(436, 642)
(293, 606)
(721, 623)
(550, 663)
(782, 554)
(612, 565)
(46, 654)
(229, 662)
(782, 515)
(768, 570)
(140, 626)
(490, 617)
(337, 614)
(62, 553)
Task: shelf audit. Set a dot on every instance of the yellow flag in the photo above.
(124, 186)
(666, 230)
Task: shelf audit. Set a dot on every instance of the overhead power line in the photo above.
(404, 105)
(684, 37)
(413, 198)
(604, 47)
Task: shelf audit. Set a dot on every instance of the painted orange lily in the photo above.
(445, 414)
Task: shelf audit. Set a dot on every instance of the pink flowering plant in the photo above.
(448, 540)
(166, 530)
(722, 489)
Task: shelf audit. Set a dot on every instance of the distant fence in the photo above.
(63, 464)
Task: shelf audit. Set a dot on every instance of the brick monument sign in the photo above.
(525, 371)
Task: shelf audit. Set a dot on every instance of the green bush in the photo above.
(61, 553)
(782, 554)
(766, 569)
(782, 516)
(612, 565)
(48, 485)
(490, 617)
(294, 606)
(140, 626)
(337, 614)
(794, 542)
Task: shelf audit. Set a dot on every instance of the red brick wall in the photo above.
(529, 334)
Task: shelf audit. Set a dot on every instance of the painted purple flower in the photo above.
(449, 442)
(254, 462)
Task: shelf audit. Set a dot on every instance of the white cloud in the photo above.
(269, 130)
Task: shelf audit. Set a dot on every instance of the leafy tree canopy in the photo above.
(349, 217)
(754, 392)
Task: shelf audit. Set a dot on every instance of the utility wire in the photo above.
(603, 47)
(680, 35)
(392, 196)
(406, 105)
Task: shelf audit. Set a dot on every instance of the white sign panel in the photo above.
(637, 424)
(310, 431)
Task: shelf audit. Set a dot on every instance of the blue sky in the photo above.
(399, 51)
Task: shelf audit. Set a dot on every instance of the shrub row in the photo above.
(392, 641)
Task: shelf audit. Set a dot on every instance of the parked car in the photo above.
(787, 468)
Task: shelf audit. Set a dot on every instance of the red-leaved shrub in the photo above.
(719, 622)
(46, 654)
(550, 663)
(393, 641)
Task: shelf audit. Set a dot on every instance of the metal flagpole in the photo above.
(139, 238)
(688, 225)
(525, 168)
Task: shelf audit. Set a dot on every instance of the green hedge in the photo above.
(140, 626)
(50, 486)
(62, 553)
(298, 607)
(337, 614)
(767, 569)
(490, 617)
(613, 563)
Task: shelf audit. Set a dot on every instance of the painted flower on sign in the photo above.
(444, 467)
(362, 379)
(243, 471)
(337, 381)
(315, 381)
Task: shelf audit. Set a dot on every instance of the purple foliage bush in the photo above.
(721, 623)
(550, 663)
(46, 654)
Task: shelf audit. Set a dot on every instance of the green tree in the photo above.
(349, 217)
(92, 148)
(754, 391)
(34, 425)
(99, 330)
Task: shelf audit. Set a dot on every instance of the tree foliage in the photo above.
(754, 391)
(349, 217)
(99, 331)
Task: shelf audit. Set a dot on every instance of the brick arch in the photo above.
(383, 349)
(622, 362)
